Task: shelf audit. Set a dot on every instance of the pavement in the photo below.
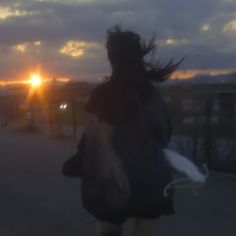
(35, 199)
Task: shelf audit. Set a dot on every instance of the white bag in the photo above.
(185, 166)
(194, 180)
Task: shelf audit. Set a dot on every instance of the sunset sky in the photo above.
(65, 38)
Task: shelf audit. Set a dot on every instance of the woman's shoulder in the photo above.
(99, 96)
(99, 90)
(112, 103)
(156, 97)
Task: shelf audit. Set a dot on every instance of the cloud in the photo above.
(73, 48)
(72, 33)
(205, 27)
(174, 42)
(76, 48)
(27, 47)
(230, 27)
(7, 12)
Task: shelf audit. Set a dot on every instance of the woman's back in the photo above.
(140, 145)
(124, 171)
(137, 144)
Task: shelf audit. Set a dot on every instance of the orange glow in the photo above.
(29, 81)
(63, 80)
(188, 74)
(179, 74)
(13, 82)
(36, 80)
(35, 83)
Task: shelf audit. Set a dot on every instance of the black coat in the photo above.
(141, 129)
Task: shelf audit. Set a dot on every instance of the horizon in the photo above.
(177, 75)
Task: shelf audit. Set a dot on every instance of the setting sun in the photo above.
(36, 80)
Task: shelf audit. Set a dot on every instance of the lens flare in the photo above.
(36, 80)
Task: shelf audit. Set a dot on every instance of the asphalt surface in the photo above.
(35, 199)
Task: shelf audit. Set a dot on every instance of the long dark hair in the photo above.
(131, 62)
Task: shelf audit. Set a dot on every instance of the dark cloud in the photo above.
(55, 22)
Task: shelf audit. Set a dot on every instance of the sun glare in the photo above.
(36, 80)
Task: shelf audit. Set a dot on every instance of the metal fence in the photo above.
(203, 117)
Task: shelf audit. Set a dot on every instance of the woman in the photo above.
(135, 127)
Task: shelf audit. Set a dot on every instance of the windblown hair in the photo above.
(129, 55)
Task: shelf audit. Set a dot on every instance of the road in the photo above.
(37, 200)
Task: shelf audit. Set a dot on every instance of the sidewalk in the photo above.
(37, 200)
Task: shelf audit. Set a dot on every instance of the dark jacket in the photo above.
(141, 129)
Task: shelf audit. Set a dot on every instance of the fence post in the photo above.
(208, 134)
